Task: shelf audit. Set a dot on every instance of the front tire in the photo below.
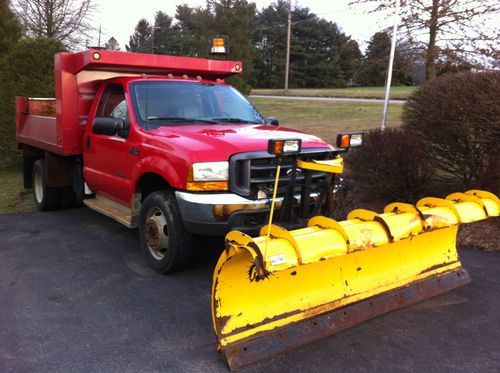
(46, 198)
(164, 241)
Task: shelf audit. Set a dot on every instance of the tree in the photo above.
(196, 27)
(10, 29)
(321, 54)
(270, 45)
(140, 40)
(26, 70)
(455, 25)
(236, 19)
(373, 70)
(66, 21)
(166, 35)
(112, 45)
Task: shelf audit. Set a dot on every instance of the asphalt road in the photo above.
(337, 99)
(75, 296)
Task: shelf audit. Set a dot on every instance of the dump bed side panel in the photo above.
(36, 124)
(56, 124)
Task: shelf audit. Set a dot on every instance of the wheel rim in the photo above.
(38, 185)
(156, 233)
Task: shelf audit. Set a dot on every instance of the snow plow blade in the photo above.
(270, 295)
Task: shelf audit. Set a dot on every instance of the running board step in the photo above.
(105, 206)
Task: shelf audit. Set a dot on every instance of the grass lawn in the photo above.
(325, 118)
(13, 197)
(400, 93)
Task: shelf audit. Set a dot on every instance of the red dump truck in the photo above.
(161, 143)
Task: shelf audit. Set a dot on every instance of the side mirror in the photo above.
(108, 126)
(273, 121)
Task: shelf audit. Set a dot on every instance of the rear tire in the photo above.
(46, 198)
(165, 243)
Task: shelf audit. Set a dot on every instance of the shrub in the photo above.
(458, 117)
(26, 70)
(391, 165)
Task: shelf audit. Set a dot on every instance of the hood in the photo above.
(220, 141)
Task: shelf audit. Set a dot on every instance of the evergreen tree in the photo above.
(270, 46)
(236, 19)
(196, 26)
(10, 29)
(321, 54)
(26, 70)
(373, 71)
(140, 40)
(166, 35)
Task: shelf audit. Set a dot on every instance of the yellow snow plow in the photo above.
(287, 288)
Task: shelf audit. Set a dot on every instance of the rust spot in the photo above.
(221, 322)
(436, 266)
(321, 259)
(254, 275)
(293, 273)
(346, 283)
(358, 269)
(265, 321)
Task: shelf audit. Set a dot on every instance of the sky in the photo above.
(118, 18)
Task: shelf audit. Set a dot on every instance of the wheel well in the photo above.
(150, 182)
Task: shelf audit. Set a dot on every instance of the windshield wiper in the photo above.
(181, 119)
(234, 120)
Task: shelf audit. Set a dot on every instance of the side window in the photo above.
(112, 103)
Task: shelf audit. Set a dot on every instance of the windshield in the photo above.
(169, 103)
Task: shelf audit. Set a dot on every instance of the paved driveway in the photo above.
(75, 296)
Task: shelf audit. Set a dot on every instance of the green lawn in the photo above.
(353, 92)
(327, 118)
(13, 197)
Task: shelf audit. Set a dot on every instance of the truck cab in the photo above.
(158, 143)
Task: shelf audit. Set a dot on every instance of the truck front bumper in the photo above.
(216, 214)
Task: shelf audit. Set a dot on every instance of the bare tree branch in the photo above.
(447, 24)
(64, 20)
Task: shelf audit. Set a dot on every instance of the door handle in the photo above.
(133, 151)
(87, 142)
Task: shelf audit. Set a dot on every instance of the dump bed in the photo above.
(57, 124)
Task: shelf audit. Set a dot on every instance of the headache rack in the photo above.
(252, 174)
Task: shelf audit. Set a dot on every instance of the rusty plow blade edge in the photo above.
(267, 345)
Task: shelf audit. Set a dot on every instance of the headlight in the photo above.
(206, 176)
(210, 171)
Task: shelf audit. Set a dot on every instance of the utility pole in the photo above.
(99, 39)
(391, 65)
(287, 68)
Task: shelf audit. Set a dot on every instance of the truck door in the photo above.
(106, 157)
